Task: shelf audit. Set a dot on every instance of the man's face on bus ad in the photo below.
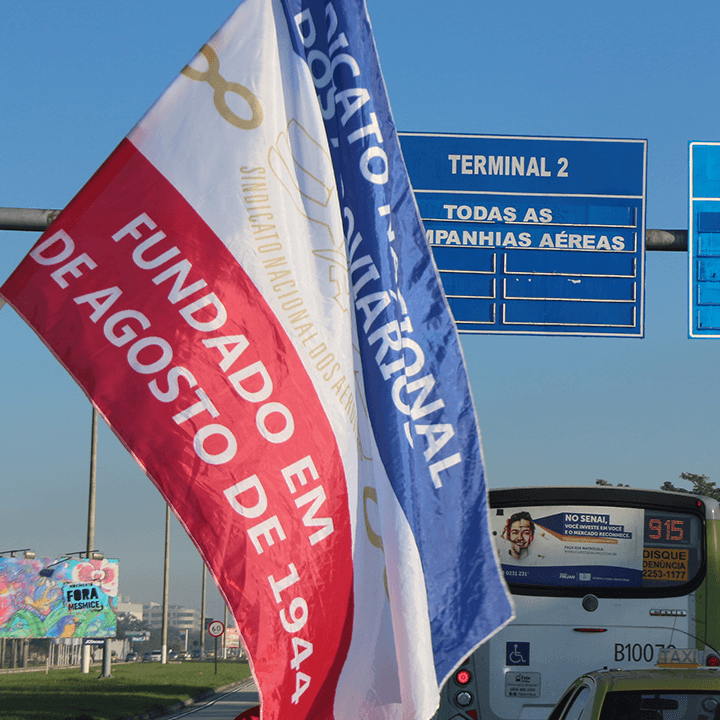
(520, 535)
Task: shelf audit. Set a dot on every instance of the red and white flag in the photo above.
(244, 292)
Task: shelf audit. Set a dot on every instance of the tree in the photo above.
(128, 623)
(701, 485)
(605, 483)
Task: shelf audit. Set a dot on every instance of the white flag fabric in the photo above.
(245, 293)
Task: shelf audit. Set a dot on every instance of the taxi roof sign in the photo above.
(680, 658)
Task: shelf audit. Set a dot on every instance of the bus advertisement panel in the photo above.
(574, 546)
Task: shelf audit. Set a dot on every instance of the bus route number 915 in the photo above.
(635, 652)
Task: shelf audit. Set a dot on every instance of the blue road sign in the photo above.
(541, 236)
(704, 240)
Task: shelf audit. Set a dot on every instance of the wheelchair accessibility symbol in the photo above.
(517, 653)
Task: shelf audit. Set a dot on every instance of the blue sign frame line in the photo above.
(508, 295)
(579, 272)
(529, 194)
(567, 323)
(567, 214)
(479, 222)
(704, 240)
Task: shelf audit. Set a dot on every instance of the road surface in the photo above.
(223, 706)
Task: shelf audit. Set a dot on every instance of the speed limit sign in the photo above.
(216, 628)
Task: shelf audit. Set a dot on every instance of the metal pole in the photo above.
(31, 219)
(202, 616)
(85, 664)
(28, 219)
(166, 577)
(107, 655)
(224, 643)
(673, 240)
(85, 659)
(93, 475)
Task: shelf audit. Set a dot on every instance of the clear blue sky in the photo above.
(76, 78)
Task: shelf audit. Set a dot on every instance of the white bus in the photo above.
(600, 577)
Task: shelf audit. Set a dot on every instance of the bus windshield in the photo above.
(609, 550)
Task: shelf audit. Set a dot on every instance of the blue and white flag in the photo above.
(245, 292)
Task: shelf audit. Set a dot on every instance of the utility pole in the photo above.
(224, 635)
(85, 663)
(202, 615)
(166, 578)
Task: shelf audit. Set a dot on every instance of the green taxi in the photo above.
(665, 693)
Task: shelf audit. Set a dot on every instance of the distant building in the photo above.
(134, 609)
(178, 617)
(184, 618)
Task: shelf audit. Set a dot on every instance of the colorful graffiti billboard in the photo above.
(58, 597)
